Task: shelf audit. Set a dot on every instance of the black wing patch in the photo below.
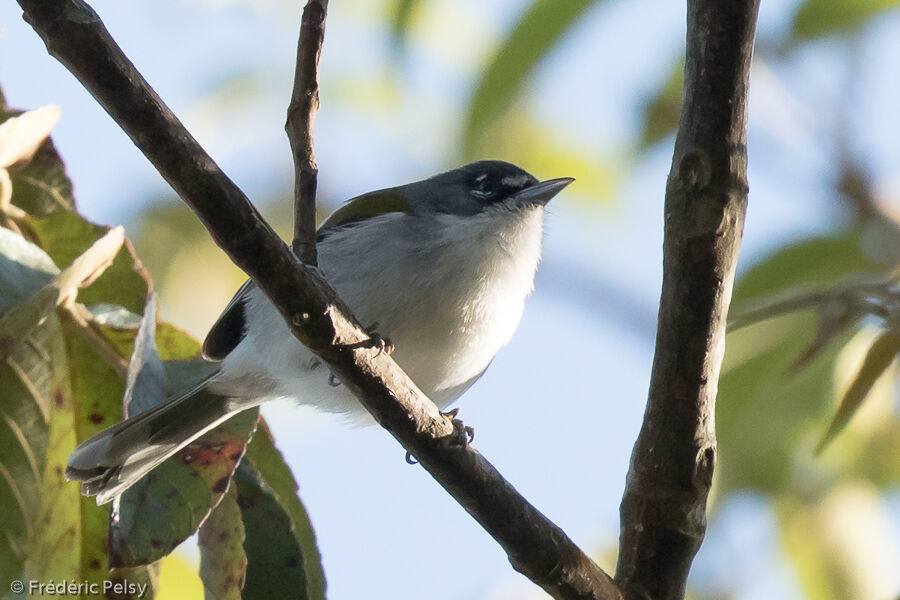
(228, 330)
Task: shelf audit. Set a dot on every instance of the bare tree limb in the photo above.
(663, 512)
(536, 547)
(299, 126)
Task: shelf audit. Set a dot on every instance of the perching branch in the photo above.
(299, 126)
(663, 512)
(536, 547)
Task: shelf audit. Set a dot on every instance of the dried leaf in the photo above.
(24, 316)
(21, 136)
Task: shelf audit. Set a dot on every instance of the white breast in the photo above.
(448, 296)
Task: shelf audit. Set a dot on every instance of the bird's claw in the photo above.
(332, 380)
(382, 344)
(463, 434)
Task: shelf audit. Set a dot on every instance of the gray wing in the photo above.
(228, 331)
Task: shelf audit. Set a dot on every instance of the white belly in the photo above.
(447, 309)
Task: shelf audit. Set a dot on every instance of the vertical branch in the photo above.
(299, 127)
(76, 36)
(663, 511)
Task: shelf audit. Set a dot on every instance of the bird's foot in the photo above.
(332, 380)
(382, 344)
(463, 434)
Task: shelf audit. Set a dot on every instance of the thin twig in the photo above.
(299, 126)
(663, 512)
(536, 547)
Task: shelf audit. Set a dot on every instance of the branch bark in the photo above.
(663, 511)
(299, 127)
(536, 547)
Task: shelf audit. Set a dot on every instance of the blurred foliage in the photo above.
(788, 382)
(596, 178)
(818, 18)
(539, 29)
(178, 578)
(661, 110)
(62, 380)
(195, 278)
(400, 19)
(817, 370)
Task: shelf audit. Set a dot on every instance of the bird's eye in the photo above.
(482, 187)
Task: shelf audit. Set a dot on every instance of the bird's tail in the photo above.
(116, 458)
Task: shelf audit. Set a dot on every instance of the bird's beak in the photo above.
(541, 193)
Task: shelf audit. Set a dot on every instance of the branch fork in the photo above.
(663, 509)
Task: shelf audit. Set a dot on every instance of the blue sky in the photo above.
(559, 409)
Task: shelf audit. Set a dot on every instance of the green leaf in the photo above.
(765, 418)
(223, 563)
(145, 384)
(31, 382)
(661, 111)
(877, 361)
(537, 32)
(268, 462)
(841, 545)
(815, 262)
(65, 235)
(51, 552)
(762, 415)
(169, 504)
(818, 18)
(97, 391)
(24, 269)
(275, 567)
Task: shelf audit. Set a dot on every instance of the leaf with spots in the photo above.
(223, 562)
(97, 391)
(275, 565)
(169, 504)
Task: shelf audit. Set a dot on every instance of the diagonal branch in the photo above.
(663, 512)
(299, 126)
(536, 547)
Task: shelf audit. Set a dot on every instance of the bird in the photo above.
(441, 267)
